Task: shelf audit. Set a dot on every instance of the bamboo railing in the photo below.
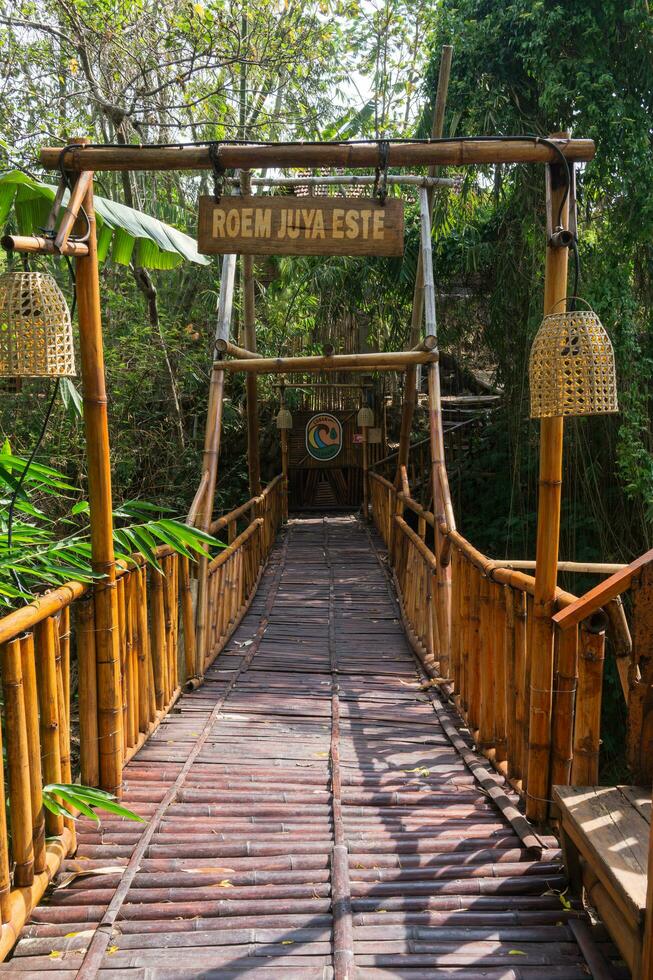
(487, 664)
(46, 644)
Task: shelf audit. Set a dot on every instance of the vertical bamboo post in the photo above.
(522, 702)
(548, 535)
(46, 671)
(34, 750)
(210, 466)
(22, 844)
(158, 644)
(64, 722)
(564, 705)
(284, 472)
(5, 880)
(249, 333)
(410, 378)
(366, 503)
(187, 618)
(440, 508)
(87, 690)
(99, 492)
(587, 728)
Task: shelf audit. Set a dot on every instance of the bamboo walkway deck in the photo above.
(308, 815)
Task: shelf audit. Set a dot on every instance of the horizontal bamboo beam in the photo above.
(322, 384)
(26, 617)
(226, 347)
(601, 594)
(449, 152)
(39, 244)
(581, 567)
(393, 361)
(430, 342)
(354, 180)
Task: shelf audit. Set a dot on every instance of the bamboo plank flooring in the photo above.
(325, 826)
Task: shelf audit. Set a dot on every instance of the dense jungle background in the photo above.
(141, 71)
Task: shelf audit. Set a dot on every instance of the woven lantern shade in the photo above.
(571, 367)
(36, 334)
(365, 417)
(284, 418)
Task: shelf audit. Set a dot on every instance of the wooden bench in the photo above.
(605, 839)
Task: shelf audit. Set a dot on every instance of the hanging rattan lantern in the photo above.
(284, 418)
(571, 367)
(36, 334)
(365, 417)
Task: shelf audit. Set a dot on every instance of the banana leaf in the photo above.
(123, 233)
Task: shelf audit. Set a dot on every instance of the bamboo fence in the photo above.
(487, 665)
(45, 644)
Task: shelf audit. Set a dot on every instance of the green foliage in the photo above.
(538, 67)
(72, 800)
(43, 551)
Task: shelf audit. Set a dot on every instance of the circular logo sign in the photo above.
(323, 437)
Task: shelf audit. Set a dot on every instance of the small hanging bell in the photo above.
(284, 418)
(365, 418)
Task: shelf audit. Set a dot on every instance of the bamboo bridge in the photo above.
(360, 747)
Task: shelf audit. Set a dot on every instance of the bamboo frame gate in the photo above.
(493, 634)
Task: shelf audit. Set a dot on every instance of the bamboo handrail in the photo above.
(39, 244)
(597, 597)
(450, 152)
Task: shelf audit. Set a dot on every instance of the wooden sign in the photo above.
(300, 226)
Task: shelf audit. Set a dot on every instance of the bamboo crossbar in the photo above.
(383, 361)
(597, 597)
(449, 152)
(38, 244)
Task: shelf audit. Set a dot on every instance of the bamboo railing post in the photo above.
(28, 670)
(523, 690)
(366, 504)
(22, 844)
(187, 618)
(158, 643)
(410, 377)
(249, 330)
(87, 692)
(46, 671)
(284, 473)
(441, 511)
(5, 880)
(210, 465)
(587, 727)
(548, 534)
(101, 521)
(564, 705)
